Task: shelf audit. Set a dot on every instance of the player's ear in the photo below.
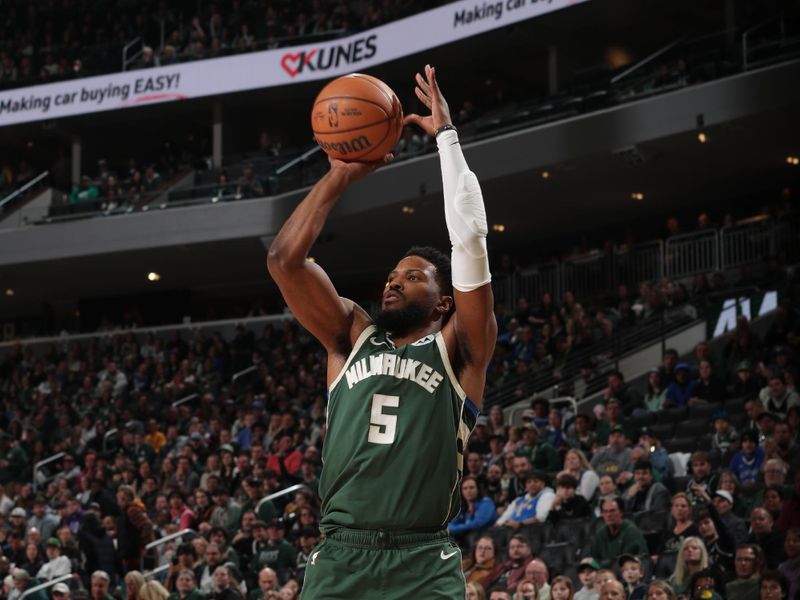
(444, 306)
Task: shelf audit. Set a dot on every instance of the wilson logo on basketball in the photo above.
(357, 144)
(333, 115)
(295, 63)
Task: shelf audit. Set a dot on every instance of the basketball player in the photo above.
(404, 386)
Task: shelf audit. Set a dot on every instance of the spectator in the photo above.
(790, 568)
(576, 465)
(718, 540)
(777, 400)
(587, 572)
(746, 463)
(660, 590)
(612, 590)
(702, 478)
(762, 533)
(672, 538)
(475, 591)
(542, 455)
(507, 575)
(707, 388)
(134, 580)
(267, 582)
(749, 564)
(97, 547)
(645, 493)
(567, 504)
(692, 558)
(617, 536)
(134, 527)
(656, 393)
(746, 384)
(773, 586)
(477, 511)
(42, 519)
(613, 419)
(582, 436)
(614, 459)
(100, 586)
(204, 572)
(723, 501)
(481, 561)
(632, 573)
(790, 513)
(681, 390)
(153, 590)
(617, 388)
(224, 586)
(56, 565)
(537, 574)
(533, 507)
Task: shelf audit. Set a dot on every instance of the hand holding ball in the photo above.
(357, 118)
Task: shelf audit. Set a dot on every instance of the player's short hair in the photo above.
(439, 260)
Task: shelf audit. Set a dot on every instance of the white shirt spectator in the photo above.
(60, 565)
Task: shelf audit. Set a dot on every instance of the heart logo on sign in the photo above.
(301, 58)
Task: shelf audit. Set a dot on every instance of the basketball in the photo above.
(357, 118)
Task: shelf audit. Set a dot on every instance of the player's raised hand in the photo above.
(430, 95)
(358, 170)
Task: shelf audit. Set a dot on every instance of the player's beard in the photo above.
(401, 321)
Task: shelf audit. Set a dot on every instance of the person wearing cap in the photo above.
(776, 398)
(632, 573)
(614, 459)
(723, 501)
(22, 583)
(60, 591)
(57, 564)
(746, 384)
(587, 573)
(645, 493)
(746, 463)
(617, 536)
(542, 455)
(13, 459)
(42, 519)
(533, 507)
(682, 388)
(479, 440)
(276, 553)
(725, 439)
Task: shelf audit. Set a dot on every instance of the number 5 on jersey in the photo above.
(383, 426)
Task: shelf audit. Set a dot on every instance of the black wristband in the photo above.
(444, 128)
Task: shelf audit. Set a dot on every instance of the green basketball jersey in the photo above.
(398, 422)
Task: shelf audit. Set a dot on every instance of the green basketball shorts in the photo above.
(352, 564)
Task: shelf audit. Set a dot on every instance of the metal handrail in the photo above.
(156, 571)
(280, 170)
(45, 585)
(41, 463)
(163, 540)
(753, 29)
(184, 400)
(647, 59)
(125, 48)
(291, 489)
(243, 372)
(109, 434)
(22, 189)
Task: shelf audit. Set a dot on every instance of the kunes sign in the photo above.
(282, 66)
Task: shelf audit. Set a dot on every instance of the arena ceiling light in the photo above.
(10, 292)
(545, 174)
(498, 227)
(702, 137)
(408, 210)
(637, 196)
(153, 276)
(792, 160)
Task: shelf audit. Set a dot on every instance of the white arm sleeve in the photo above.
(465, 216)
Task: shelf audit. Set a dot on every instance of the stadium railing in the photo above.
(184, 400)
(152, 546)
(38, 467)
(46, 585)
(290, 490)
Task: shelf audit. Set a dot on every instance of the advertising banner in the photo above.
(269, 68)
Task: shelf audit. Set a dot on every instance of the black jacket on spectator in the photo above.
(713, 391)
(655, 497)
(98, 548)
(772, 544)
(576, 507)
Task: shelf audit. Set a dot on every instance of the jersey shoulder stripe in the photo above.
(448, 367)
(356, 347)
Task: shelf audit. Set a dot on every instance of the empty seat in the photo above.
(693, 428)
(681, 444)
(643, 420)
(703, 411)
(558, 556)
(662, 431)
(672, 415)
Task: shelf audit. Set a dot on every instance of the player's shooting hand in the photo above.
(358, 170)
(430, 95)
